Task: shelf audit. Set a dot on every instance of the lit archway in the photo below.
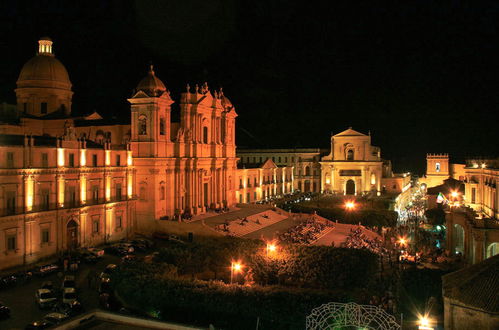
(458, 238)
(72, 235)
(492, 249)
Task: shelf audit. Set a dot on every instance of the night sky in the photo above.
(422, 76)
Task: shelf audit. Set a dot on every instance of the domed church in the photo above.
(43, 86)
(77, 181)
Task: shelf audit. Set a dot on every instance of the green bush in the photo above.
(225, 306)
(369, 217)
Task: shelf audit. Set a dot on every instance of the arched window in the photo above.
(162, 193)
(162, 126)
(437, 167)
(307, 170)
(143, 191)
(350, 154)
(142, 125)
(205, 134)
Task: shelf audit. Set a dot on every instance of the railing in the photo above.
(54, 206)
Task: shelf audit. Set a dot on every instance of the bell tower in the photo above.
(150, 124)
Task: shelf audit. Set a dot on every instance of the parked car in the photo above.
(41, 324)
(150, 257)
(88, 257)
(47, 285)
(4, 312)
(174, 238)
(129, 258)
(46, 269)
(70, 310)
(68, 282)
(161, 235)
(68, 295)
(97, 251)
(55, 318)
(8, 281)
(105, 276)
(45, 298)
(118, 249)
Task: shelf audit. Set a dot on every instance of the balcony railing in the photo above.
(54, 206)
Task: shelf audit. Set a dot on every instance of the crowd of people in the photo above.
(306, 232)
(358, 240)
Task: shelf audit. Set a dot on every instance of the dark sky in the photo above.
(421, 75)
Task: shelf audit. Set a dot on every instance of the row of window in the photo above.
(11, 239)
(43, 108)
(44, 160)
(70, 198)
(276, 159)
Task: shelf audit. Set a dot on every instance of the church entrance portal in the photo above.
(350, 187)
(72, 235)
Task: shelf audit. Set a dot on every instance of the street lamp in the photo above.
(271, 248)
(235, 268)
(350, 205)
(424, 323)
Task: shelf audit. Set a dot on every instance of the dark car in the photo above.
(46, 270)
(161, 235)
(4, 312)
(70, 310)
(8, 281)
(88, 257)
(42, 324)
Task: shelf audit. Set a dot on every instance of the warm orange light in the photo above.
(237, 267)
(454, 194)
(403, 241)
(271, 248)
(350, 205)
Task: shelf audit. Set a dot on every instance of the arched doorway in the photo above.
(492, 249)
(307, 186)
(458, 238)
(72, 235)
(350, 187)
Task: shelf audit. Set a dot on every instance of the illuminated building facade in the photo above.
(473, 229)
(305, 161)
(259, 182)
(355, 167)
(63, 184)
(187, 167)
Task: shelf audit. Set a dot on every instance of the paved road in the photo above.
(21, 299)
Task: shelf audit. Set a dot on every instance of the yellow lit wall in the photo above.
(130, 186)
(108, 188)
(83, 157)
(29, 193)
(83, 189)
(108, 157)
(129, 161)
(60, 198)
(60, 157)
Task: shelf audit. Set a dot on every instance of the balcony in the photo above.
(53, 206)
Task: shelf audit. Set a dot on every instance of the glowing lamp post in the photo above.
(424, 323)
(235, 268)
(271, 248)
(350, 206)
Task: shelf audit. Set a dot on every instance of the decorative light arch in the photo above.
(333, 315)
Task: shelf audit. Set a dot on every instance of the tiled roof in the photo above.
(476, 285)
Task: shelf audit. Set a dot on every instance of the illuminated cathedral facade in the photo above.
(71, 181)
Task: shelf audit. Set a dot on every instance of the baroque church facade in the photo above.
(70, 181)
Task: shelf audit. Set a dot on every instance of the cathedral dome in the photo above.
(152, 85)
(44, 70)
